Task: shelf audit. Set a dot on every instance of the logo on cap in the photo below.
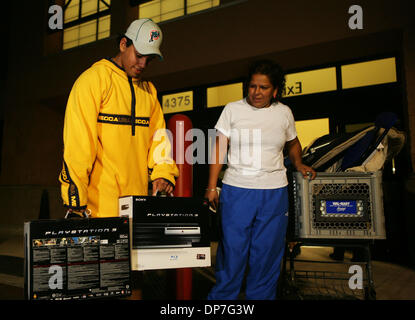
(154, 35)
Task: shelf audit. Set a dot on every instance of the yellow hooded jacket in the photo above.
(114, 135)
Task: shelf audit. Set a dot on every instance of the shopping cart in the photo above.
(337, 209)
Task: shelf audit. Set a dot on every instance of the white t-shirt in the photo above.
(256, 140)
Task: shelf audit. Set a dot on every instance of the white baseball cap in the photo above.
(146, 36)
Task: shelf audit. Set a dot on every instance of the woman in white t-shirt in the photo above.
(254, 198)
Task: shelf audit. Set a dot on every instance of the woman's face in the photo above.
(260, 91)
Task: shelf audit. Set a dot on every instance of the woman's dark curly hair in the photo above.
(274, 72)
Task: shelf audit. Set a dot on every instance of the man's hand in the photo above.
(81, 213)
(213, 198)
(161, 185)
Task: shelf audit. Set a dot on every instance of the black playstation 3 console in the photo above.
(75, 259)
(167, 222)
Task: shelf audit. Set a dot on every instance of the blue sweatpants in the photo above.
(254, 223)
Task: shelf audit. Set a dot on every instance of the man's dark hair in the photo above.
(119, 38)
(274, 72)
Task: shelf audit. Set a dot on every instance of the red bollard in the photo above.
(179, 125)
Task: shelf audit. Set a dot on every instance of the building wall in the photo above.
(204, 48)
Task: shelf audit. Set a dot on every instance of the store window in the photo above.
(368, 73)
(310, 130)
(221, 95)
(309, 82)
(85, 21)
(162, 10)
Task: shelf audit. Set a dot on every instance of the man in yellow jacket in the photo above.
(114, 132)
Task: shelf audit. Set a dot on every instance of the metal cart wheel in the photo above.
(290, 280)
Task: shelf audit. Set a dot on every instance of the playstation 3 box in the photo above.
(167, 232)
(76, 259)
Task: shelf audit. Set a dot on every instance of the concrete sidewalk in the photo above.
(391, 281)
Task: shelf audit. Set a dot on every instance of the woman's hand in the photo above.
(294, 153)
(306, 171)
